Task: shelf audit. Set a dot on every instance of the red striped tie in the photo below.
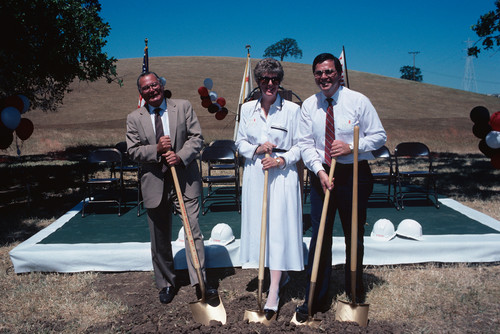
(329, 131)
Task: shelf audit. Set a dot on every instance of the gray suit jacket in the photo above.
(187, 141)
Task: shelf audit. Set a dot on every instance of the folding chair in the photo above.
(414, 160)
(134, 168)
(383, 172)
(222, 169)
(99, 189)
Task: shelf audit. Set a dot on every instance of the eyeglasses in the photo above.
(328, 72)
(150, 86)
(265, 80)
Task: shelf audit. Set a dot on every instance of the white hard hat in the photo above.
(410, 228)
(222, 234)
(383, 230)
(180, 237)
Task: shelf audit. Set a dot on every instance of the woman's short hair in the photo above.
(269, 65)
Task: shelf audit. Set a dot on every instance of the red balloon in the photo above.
(495, 121)
(25, 129)
(6, 138)
(495, 161)
(221, 114)
(221, 101)
(203, 91)
(206, 102)
(16, 102)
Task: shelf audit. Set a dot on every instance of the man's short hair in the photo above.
(143, 75)
(324, 57)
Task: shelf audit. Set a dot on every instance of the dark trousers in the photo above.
(341, 200)
(160, 230)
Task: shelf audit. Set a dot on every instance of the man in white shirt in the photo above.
(318, 144)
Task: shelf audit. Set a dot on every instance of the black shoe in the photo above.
(209, 292)
(302, 313)
(167, 294)
(269, 313)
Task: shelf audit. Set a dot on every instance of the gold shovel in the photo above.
(203, 310)
(312, 322)
(259, 315)
(352, 311)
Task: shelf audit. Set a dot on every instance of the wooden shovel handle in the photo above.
(188, 233)
(319, 240)
(263, 230)
(354, 215)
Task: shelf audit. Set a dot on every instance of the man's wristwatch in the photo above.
(351, 147)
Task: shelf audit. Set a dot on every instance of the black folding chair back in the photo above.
(133, 167)
(222, 170)
(414, 160)
(96, 186)
(383, 172)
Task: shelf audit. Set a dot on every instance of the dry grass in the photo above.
(431, 298)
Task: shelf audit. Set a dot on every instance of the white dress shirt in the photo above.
(350, 108)
(163, 115)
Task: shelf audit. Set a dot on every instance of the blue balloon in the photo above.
(208, 83)
(11, 117)
(26, 103)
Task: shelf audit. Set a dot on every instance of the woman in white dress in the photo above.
(270, 125)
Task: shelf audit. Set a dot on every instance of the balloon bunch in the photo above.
(210, 100)
(487, 129)
(12, 107)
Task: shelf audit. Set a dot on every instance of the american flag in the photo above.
(344, 80)
(145, 68)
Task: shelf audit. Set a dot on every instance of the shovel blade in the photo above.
(258, 316)
(352, 312)
(204, 312)
(311, 322)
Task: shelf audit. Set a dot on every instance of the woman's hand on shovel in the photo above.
(323, 179)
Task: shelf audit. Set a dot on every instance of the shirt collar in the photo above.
(163, 107)
(335, 96)
(276, 105)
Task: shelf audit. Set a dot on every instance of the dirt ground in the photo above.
(237, 290)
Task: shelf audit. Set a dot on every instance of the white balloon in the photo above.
(493, 139)
(213, 96)
(208, 83)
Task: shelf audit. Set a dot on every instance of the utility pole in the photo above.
(469, 80)
(414, 54)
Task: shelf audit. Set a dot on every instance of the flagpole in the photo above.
(345, 65)
(145, 68)
(247, 77)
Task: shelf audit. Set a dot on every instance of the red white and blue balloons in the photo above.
(211, 101)
(487, 129)
(12, 108)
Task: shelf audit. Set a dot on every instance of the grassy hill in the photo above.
(95, 113)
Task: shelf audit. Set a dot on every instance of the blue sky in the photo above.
(377, 35)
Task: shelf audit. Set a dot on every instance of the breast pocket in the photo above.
(344, 126)
(278, 135)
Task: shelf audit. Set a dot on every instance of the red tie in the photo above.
(329, 131)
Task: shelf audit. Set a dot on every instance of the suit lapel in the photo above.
(147, 125)
(172, 112)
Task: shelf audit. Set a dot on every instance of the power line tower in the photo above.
(469, 80)
(414, 53)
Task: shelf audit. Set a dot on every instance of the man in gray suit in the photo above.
(164, 133)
